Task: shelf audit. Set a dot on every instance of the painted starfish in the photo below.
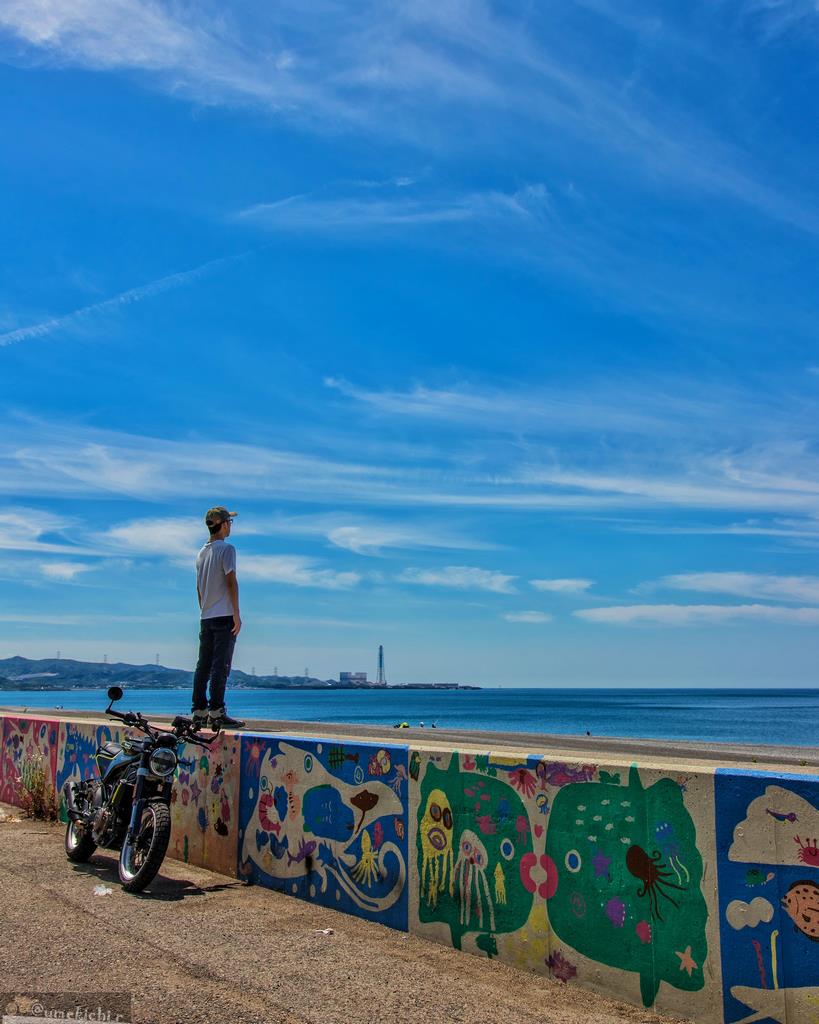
(601, 865)
(686, 961)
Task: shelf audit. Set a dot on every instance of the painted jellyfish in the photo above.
(671, 850)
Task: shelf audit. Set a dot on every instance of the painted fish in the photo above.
(337, 756)
(379, 763)
(791, 817)
(801, 902)
(305, 850)
(363, 801)
(378, 835)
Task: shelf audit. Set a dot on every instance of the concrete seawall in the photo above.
(664, 878)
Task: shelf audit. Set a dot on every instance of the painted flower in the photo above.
(561, 968)
(523, 781)
(265, 804)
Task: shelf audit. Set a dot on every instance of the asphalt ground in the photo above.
(201, 947)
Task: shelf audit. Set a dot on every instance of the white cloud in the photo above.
(740, 914)
(179, 539)
(21, 529)
(699, 614)
(176, 539)
(413, 71)
(766, 834)
(64, 571)
(371, 539)
(462, 471)
(531, 617)
(126, 298)
(312, 213)
(294, 570)
(746, 584)
(510, 410)
(73, 620)
(460, 577)
(563, 586)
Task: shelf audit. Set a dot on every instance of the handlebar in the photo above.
(182, 727)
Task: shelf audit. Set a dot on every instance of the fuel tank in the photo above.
(113, 757)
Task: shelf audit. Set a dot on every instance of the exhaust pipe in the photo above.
(70, 806)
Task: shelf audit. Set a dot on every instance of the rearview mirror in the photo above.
(114, 693)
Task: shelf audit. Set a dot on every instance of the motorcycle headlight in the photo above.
(162, 761)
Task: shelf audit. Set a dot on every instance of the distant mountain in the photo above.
(63, 674)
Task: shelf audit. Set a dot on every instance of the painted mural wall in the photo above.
(327, 822)
(695, 892)
(592, 875)
(768, 844)
(24, 738)
(204, 818)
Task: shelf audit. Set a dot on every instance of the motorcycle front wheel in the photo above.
(78, 843)
(140, 860)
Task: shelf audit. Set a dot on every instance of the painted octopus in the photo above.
(435, 831)
(366, 870)
(470, 873)
(652, 872)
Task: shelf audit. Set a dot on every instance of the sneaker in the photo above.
(200, 717)
(220, 719)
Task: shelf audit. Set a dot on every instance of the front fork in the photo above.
(140, 799)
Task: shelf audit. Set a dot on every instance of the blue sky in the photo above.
(496, 322)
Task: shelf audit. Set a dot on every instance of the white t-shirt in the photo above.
(213, 563)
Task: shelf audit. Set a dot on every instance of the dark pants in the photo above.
(216, 643)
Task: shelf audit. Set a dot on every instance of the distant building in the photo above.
(353, 678)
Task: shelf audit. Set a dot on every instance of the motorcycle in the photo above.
(128, 806)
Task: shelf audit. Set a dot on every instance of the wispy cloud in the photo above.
(412, 72)
(699, 614)
(318, 213)
(460, 577)
(127, 298)
(689, 473)
(295, 570)
(778, 17)
(22, 529)
(558, 586)
(532, 618)
(177, 539)
(747, 584)
(64, 571)
(374, 539)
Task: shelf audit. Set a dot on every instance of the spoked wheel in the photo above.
(79, 845)
(140, 860)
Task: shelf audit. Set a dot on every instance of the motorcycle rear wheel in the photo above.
(79, 845)
(139, 861)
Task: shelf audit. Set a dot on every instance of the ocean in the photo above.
(721, 716)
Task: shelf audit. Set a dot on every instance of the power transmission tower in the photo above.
(105, 659)
(381, 679)
(157, 659)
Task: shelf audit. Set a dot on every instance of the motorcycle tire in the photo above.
(139, 863)
(79, 845)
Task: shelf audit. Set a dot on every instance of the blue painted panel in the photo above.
(327, 822)
(767, 829)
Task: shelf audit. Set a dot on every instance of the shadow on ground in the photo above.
(162, 888)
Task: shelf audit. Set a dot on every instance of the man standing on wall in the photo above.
(218, 593)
